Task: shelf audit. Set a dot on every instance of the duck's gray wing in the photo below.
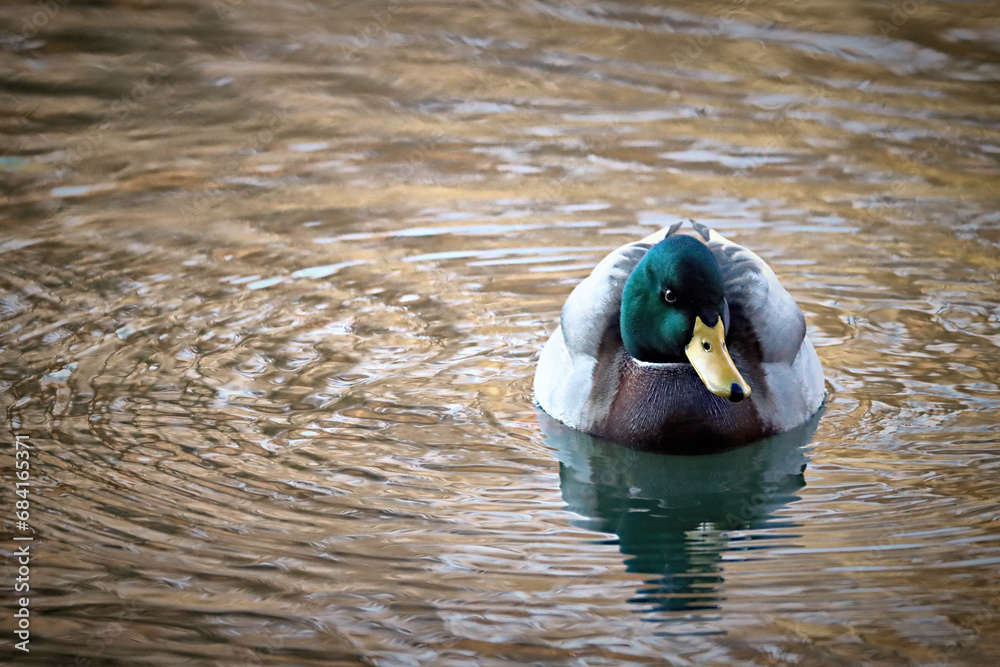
(591, 315)
(576, 378)
(771, 320)
(592, 312)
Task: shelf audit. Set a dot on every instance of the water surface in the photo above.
(275, 275)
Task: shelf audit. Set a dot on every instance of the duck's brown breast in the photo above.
(666, 407)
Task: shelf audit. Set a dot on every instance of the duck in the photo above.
(682, 342)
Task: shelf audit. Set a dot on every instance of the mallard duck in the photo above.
(680, 342)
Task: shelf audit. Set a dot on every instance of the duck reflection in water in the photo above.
(672, 514)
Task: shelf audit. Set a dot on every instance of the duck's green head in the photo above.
(674, 310)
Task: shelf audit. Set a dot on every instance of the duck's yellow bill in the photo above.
(708, 354)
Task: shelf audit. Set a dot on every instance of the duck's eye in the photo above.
(669, 296)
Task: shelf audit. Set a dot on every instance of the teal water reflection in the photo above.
(674, 515)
